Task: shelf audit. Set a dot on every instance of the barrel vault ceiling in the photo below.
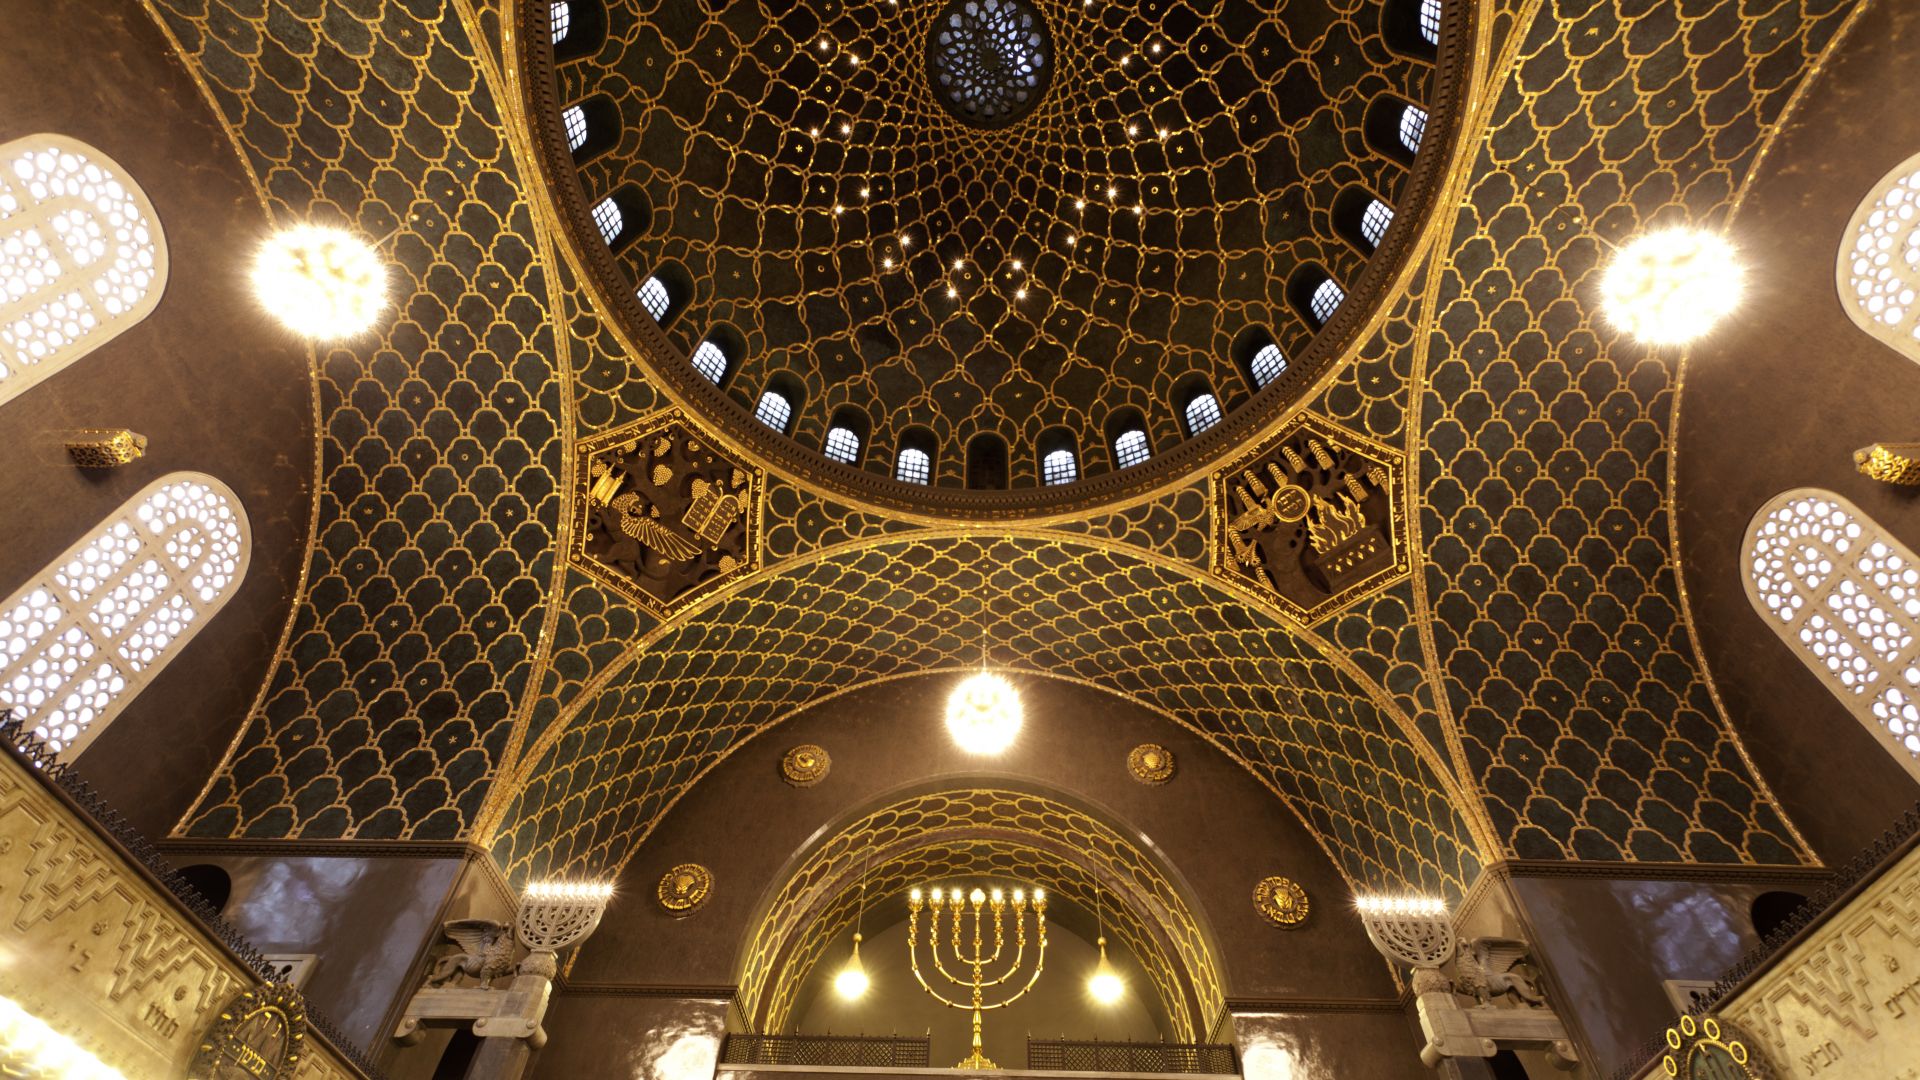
(1527, 687)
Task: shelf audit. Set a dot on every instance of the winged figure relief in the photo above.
(649, 531)
(486, 952)
(1492, 967)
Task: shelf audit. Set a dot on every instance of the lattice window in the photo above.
(1327, 298)
(658, 302)
(1430, 21)
(1879, 265)
(1846, 596)
(574, 119)
(81, 256)
(81, 639)
(1374, 221)
(1202, 413)
(913, 466)
(1267, 364)
(842, 445)
(1059, 467)
(606, 214)
(711, 360)
(774, 410)
(562, 15)
(1130, 448)
(1413, 127)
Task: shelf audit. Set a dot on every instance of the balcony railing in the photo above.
(878, 1051)
(1092, 1055)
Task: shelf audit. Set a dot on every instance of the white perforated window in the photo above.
(774, 410)
(606, 214)
(1845, 596)
(658, 301)
(562, 15)
(1202, 413)
(1413, 127)
(1374, 221)
(1267, 364)
(1130, 448)
(574, 119)
(1327, 298)
(81, 256)
(842, 445)
(80, 639)
(1059, 467)
(711, 360)
(1879, 267)
(1430, 21)
(914, 466)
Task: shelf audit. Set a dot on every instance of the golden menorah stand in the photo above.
(976, 961)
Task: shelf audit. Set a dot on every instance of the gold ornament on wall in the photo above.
(1890, 463)
(1150, 763)
(258, 1036)
(1281, 901)
(685, 888)
(805, 765)
(1709, 1049)
(105, 448)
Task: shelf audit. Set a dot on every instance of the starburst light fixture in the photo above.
(1105, 986)
(984, 714)
(1671, 286)
(852, 982)
(322, 282)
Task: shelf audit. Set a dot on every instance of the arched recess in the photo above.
(82, 257)
(1878, 272)
(979, 832)
(598, 777)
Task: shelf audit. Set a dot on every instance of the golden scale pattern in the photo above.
(440, 448)
(1582, 709)
(730, 122)
(967, 835)
(618, 757)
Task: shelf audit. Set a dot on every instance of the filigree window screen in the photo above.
(1879, 266)
(1845, 595)
(82, 257)
(81, 638)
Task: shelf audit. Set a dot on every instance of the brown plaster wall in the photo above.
(632, 1037)
(213, 385)
(1279, 1045)
(1779, 398)
(1212, 823)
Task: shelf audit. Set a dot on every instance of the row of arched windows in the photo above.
(82, 259)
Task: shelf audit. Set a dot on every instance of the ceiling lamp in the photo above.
(1671, 286)
(324, 283)
(852, 982)
(984, 714)
(1105, 986)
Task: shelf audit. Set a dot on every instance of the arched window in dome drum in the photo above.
(1845, 597)
(1430, 21)
(1327, 298)
(1413, 127)
(711, 360)
(1130, 448)
(608, 219)
(1059, 467)
(1374, 221)
(775, 410)
(82, 258)
(81, 638)
(1877, 273)
(622, 217)
(560, 14)
(913, 466)
(846, 435)
(574, 119)
(659, 302)
(1267, 364)
(1202, 412)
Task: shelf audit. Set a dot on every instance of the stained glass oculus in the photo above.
(988, 60)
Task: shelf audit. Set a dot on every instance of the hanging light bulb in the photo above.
(852, 982)
(324, 283)
(1671, 286)
(1105, 986)
(984, 713)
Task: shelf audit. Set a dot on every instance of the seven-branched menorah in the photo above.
(977, 961)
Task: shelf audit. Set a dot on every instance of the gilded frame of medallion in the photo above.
(750, 487)
(1363, 466)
